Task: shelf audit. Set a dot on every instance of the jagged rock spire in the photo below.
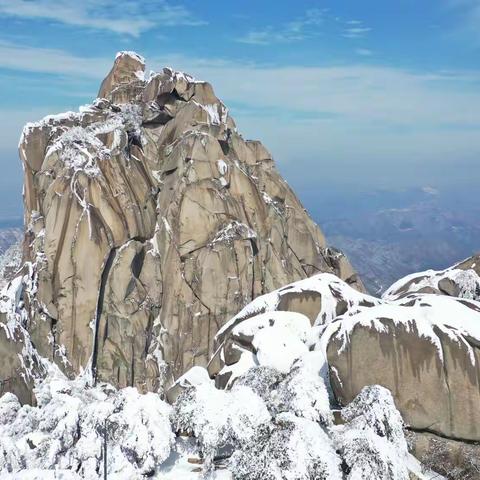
(150, 221)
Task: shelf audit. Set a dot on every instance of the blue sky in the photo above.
(345, 94)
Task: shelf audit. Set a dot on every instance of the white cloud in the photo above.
(46, 60)
(356, 92)
(304, 27)
(298, 29)
(373, 120)
(357, 120)
(356, 32)
(130, 17)
(364, 52)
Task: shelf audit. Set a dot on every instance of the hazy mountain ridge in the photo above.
(388, 235)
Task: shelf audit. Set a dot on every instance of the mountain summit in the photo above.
(150, 221)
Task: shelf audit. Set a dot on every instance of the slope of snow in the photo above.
(330, 287)
(419, 314)
(467, 281)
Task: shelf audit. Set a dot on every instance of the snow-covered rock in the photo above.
(423, 347)
(316, 301)
(460, 280)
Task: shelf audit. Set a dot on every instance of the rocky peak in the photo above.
(128, 68)
(150, 221)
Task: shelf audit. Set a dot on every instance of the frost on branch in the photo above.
(289, 448)
(219, 419)
(262, 380)
(372, 441)
(304, 394)
(65, 431)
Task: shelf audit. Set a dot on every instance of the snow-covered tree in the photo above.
(288, 448)
(219, 419)
(371, 442)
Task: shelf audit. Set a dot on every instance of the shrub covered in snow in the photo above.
(279, 426)
(269, 426)
(371, 442)
(219, 419)
(66, 430)
(288, 448)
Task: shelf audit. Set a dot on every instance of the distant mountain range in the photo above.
(388, 234)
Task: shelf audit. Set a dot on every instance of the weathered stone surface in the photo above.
(11, 368)
(421, 351)
(424, 348)
(150, 222)
(320, 298)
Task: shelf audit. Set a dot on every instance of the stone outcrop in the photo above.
(320, 299)
(150, 221)
(20, 363)
(424, 348)
(431, 368)
(461, 280)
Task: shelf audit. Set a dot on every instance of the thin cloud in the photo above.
(368, 112)
(468, 12)
(296, 30)
(364, 52)
(356, 32)
(130, 18)
(366, 97)
(52, 61)
(303, 28)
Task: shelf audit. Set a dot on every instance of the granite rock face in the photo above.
(150, 222)
(425, 348)
(425, 351)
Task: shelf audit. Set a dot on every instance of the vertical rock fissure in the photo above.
(101, 297)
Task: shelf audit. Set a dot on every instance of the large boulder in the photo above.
(461, 280)
(424, 349)
(150, 221)
(284, 314)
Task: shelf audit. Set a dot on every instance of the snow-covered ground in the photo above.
(274, 421)
(269, 425)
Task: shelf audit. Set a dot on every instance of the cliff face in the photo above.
(150, 221)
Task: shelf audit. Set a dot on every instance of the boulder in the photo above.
(460, 280)
(313, 302)
(425, 350)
